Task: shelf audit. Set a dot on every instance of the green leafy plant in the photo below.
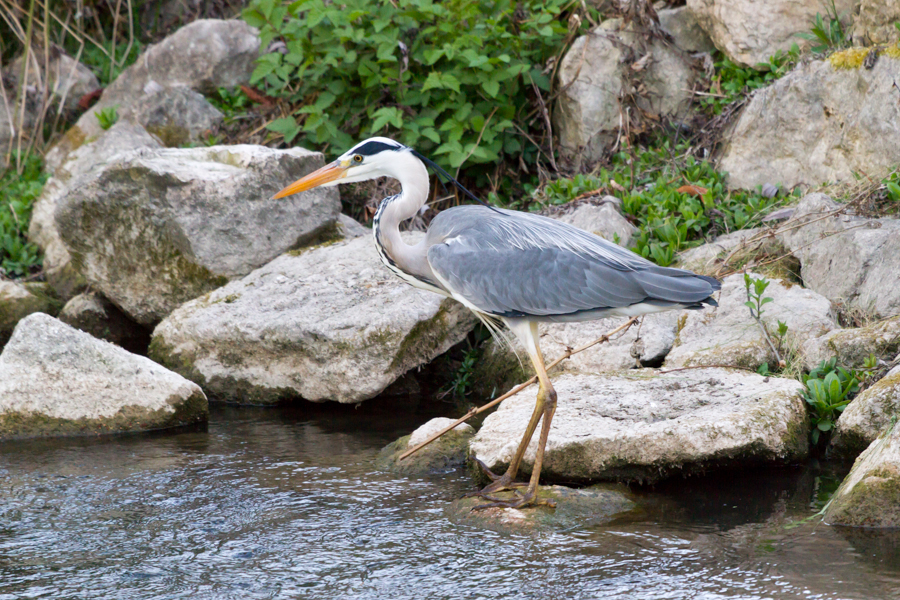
(675, 200)
(450, 78)
(107, 117)
(827, 31)
(828, 390)
(231, 103)
(461, 384)
(732, 82)
(755, 299)
(19, 257)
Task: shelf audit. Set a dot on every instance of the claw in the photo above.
(529, 498)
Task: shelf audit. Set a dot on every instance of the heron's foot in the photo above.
(499, 484)
(486, 470)
(519, 500)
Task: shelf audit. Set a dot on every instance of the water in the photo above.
(285, 503)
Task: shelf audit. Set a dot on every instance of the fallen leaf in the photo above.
(693, 190)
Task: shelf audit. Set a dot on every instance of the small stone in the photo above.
(447, 453)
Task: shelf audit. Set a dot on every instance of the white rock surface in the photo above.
(56, 380)
(847, 259)
(707, 259)
(645, 425)
(875, 22)
(329, 323)
(750, 31)
(853, 345)
(433, 426)
(870, 494)
(870, 413)
(817, 124)
(727, 335)
(154, 229)
(597, 72)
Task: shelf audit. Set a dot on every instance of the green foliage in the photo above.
(450, 78)
(462, 380)
(18, 257)
(668, 220)
(755, 299)
(827, 31)
(828, 391)
(732, 81)
(231, 103)
(107, 117)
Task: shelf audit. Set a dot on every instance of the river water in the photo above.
(286, 503)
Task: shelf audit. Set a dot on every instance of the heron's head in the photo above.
(369, 159)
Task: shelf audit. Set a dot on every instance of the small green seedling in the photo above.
(107, 117)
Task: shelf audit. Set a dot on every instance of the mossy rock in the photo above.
(447, 453)
(580, 508)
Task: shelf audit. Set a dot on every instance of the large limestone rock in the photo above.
(17, 301)
(850, 260)
(121, 138)
(870, 494)
(867, 416)
(817, 124)
(154, 229)
(853, 345)
(735, 248)
(728, 335)
(56, 380)
(177, 116)
(875, 22)
(329, 323)
(647, 425)
(598, 71)
(750, 31)
(201, 56)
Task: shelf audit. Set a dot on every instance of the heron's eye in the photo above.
(357, 158)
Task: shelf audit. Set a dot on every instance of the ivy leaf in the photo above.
(286, 126)
(441, 81)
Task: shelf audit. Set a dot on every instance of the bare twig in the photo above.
(603, 338)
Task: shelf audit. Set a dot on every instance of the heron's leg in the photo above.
(545, 407)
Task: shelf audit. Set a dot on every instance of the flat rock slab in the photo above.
(447, 453)
(58, 381)
(329, 323)
(728, 335)
(645, 425)
(870, 413)
(156, 228)
(870, 494)
(853, 345)
(575, 508)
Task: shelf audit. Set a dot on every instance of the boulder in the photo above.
(685, 29)
(728, 335)
(850, 260)
(819, 123)
(870, 494)
(643, 425)
(201, 56)
(875, 23)
(18, 300)
(64, 79)
(92, 313)
(750, 31)
(445, 454)
(56, 381)
(870, 413)
(121, 138)
(327, 323)
(604, 219)
(853, 345)
(599, 70)
(575, 509)
(177, 116)
(153, 229)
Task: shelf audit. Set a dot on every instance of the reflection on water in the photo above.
(284, 503)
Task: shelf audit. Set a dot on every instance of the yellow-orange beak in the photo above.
(329, 172)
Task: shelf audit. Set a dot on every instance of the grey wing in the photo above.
(515, 264)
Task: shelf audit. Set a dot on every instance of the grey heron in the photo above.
(518, 268)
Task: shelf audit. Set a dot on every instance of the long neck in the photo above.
(413, 178)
